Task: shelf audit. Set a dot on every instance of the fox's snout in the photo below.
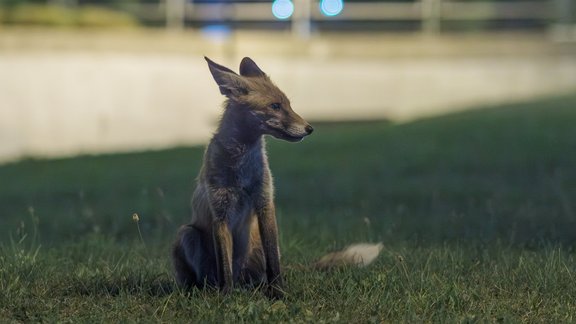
(303, 130)
(301, 134)
(288, 126)
(308, 129)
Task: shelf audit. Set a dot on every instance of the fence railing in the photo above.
(261, 11)
(430, 15)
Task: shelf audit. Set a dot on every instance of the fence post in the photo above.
(431, 15)
(175, 14)
(564, 27)
(301, 19)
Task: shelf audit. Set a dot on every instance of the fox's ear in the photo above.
(230, 83)
(249, 68)
(214, 65)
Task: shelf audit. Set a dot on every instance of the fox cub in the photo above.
(233, 236)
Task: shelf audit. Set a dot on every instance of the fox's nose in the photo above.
(309, 129)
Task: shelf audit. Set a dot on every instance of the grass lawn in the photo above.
(476, 211)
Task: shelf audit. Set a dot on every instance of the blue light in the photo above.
(217, 33)
(282, 9)
(331, 7)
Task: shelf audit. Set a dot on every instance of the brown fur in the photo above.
(233, 236)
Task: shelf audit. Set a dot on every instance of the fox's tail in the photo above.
(359, 254)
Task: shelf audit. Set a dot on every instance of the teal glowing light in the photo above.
(282, 9)
(331, 7)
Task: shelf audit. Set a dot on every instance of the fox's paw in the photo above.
(225, 290)
(274, 292)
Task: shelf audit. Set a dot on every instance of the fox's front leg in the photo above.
(269, 236)
(223, 204)
(223, 250)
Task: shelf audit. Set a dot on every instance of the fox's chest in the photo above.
(247, 184)
(249, 177)
(244, 175)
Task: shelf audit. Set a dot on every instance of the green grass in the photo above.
(476, 211)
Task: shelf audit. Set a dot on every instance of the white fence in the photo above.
(557, 15)
(429, 12)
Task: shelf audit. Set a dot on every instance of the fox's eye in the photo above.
(276, 106)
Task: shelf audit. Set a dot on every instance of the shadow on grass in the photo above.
(131, 284)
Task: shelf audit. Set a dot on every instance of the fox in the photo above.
(232, 237)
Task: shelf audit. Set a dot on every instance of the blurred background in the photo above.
(92, 76)
(443, 128)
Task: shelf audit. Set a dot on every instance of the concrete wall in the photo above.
(55, 103)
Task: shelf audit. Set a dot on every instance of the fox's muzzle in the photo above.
(294, 130)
